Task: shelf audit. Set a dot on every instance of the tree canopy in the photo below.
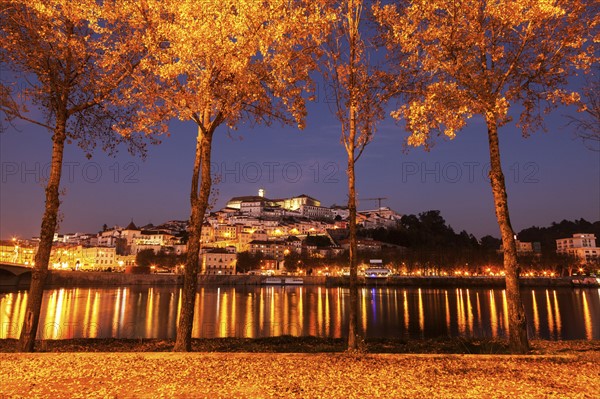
(479, 57)
(72, 61)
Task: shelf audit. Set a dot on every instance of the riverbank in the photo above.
(307, 344)
(60, 278)
(567, 370)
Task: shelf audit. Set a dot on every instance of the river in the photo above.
(263, 311)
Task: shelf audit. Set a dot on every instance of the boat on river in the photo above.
(377, 273)
(293, 281)
(586, 281)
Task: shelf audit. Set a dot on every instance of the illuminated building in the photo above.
(219, 261)
(582, 246)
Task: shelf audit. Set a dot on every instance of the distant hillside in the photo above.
(425, 230)
(430, 230)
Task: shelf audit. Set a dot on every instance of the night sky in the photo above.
(550, 176)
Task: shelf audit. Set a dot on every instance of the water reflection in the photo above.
(153, 312)
(586, 315)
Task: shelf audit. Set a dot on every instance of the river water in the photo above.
(263, 311)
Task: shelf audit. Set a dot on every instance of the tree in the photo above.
(66, 65)
(317, 241)
(476, 57)
(490, 243)
(224, 62)
(145, 257)
(587, 126)
(163, 259)
(354, 87)
(292, 261)
(247, 261)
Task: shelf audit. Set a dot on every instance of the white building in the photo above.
(382, 217)
(253, 207)
(130, 233)
(72, 238)
(109, 238)
(341, 211)
(259, 205)
(582, 246)
(315, 212)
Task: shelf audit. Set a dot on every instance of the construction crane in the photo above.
(378, 199)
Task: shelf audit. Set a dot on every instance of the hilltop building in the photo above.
(259, 205)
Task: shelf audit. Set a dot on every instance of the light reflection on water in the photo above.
(153, 312)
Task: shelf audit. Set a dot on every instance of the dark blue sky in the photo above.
(550, 175)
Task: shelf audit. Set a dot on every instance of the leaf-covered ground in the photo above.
(553, 369)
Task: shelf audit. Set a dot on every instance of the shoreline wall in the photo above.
(69, 278)
(60, 278)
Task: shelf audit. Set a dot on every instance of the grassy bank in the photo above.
(289, 344)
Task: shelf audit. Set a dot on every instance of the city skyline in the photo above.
(550, 175)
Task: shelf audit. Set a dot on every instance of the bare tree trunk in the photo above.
(353, 317)
(199, 204)
(350, 143)
(42, 257)
(517, 325)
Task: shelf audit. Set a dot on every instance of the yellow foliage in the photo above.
(229, 58)
(77, 56)
(479, 57)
